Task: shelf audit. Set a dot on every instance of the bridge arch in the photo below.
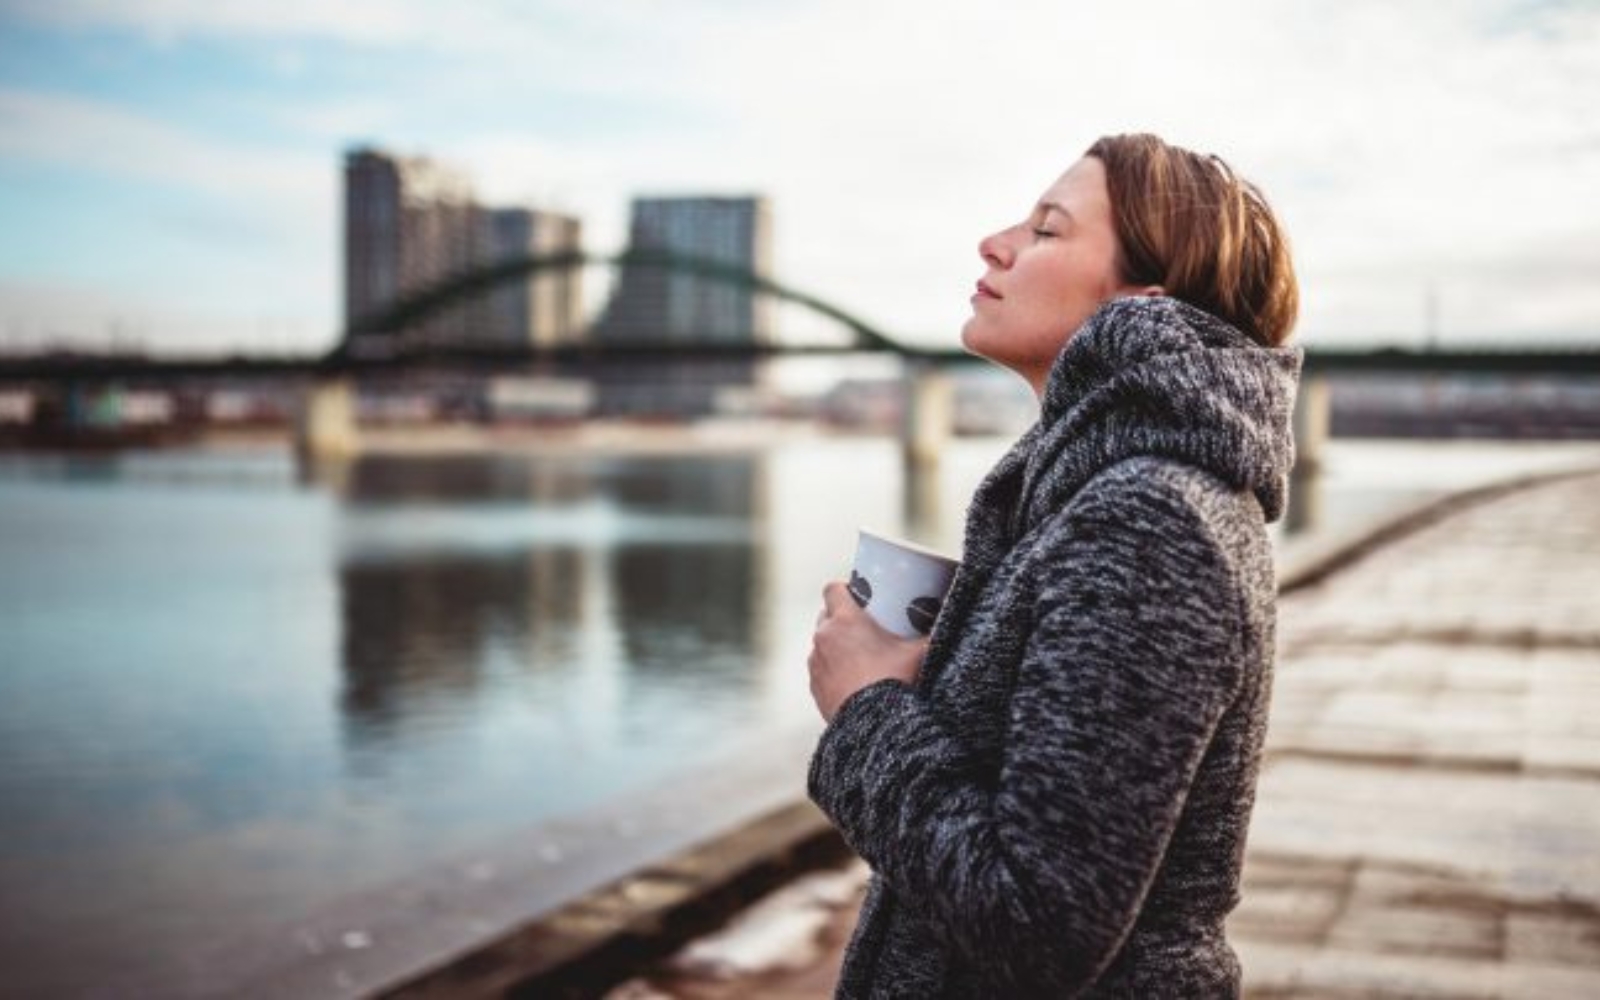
(457, 289)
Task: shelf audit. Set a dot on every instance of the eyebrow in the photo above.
(1055, 206)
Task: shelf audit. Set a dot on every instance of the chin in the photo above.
(972, 341)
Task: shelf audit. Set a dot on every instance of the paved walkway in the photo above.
(1429, 815)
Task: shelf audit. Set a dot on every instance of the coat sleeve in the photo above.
(1131, 661)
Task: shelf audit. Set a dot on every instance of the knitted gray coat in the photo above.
(1057, 807)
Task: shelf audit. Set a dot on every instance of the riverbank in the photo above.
(1430, 796)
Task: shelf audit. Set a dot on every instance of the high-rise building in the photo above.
(411, 223)
(657, 304)
(542, 309)
(662, 304)
(371, 234)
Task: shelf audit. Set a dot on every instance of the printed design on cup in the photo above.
(920, 613)
(860, 588)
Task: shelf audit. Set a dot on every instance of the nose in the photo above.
(994, 250)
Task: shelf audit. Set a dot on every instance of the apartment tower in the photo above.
(657, 304)
(411, 223)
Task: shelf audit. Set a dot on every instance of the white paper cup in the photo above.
(901, 585)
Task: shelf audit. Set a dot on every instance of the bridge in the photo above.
(376, 343)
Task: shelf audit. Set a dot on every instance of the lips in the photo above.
(986, 292)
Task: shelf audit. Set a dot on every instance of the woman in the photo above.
(1053, 791)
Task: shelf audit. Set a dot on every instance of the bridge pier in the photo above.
(926, 424)
(1312, 409)
(327, 425)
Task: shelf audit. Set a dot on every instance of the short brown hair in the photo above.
(1188, 223)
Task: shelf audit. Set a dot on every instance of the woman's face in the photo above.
(1046, 275)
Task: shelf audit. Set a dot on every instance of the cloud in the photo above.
(169, 21)
(595, 43)
(67, 132)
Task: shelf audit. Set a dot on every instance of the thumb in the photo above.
(836, 599)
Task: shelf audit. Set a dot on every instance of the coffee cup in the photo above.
(900, 584)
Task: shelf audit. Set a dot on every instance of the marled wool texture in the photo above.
(1057, 807)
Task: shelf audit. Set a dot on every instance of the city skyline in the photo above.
(415, 222)
(168, 170)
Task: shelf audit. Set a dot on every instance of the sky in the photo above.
(171, 170)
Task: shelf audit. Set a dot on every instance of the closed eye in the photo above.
(1043, 214)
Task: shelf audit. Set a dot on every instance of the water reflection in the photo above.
(418, 630)
(682, 610)
(536, 583)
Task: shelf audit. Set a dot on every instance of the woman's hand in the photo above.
(849, 651)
